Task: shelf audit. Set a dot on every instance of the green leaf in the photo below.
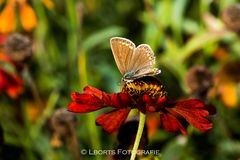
(101, 36)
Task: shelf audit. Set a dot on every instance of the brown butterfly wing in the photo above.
(143, 61)
(123, 50)
(143, 57)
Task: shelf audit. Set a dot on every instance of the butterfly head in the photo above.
(129, 77)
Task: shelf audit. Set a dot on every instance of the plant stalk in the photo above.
(142, 118)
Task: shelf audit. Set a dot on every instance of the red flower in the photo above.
(10, 83)
(93, 99)
(4, 58)
(192, 110)
(147, 95)
(3, 38)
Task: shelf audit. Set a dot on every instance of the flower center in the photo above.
(145, 85)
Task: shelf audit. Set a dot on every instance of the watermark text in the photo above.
(94, 152)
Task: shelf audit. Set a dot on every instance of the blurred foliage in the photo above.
(71, 50)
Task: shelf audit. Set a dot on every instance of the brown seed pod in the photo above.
(19, 47)
(63, 124)
(199, 80)
(62, 121)
(231, 17)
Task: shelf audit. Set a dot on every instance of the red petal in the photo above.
(192, 103)
(151, 108)
(85, 99)
(93, 99)
(104, 97)
(161, 100)
(171, 124)
(3, 39)
(7, 59)
(82, 108)
(144, 104)
(12, 84)
(117, 100)
(111, 121)
(93, 91)
(146, 98)
(125, 99)
(194, 112)
(120, 100)
(159, 104)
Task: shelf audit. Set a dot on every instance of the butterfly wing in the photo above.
(146, 72)
(143, 61)
(123, 50)
(143, 57)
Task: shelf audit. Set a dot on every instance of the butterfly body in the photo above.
(133, 62)
(128, 76)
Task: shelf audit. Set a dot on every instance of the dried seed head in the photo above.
(19, 47)
(199, 80)
(231, 17)
(146, 85)
(63, 121)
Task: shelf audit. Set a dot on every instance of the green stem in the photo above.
(138, 136)
(92, 128)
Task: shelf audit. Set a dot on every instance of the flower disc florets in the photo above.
(146, 85)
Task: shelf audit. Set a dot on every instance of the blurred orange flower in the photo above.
(226, 84)
(48, 3)
(7, 18)
(229, 94)
(27, 16)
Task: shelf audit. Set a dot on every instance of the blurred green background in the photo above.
(70, 49)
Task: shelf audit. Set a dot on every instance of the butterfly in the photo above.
(133, 62)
